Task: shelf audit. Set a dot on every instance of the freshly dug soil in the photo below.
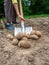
(37, 54)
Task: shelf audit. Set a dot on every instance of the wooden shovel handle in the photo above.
(21, 11)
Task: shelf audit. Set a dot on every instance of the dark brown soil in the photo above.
(38, 54)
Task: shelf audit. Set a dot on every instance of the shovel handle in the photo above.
(21, 12)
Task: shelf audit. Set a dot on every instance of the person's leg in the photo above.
(13, 15)
(9, 11)
(9, 14)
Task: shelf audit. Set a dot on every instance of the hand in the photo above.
(21, 18)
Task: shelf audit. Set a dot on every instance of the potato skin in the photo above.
(35, 37)
(19, 36)
(24, 44)
(10, 36)
(38, 33)
(14, 41)
(32, 32)
(24, 38)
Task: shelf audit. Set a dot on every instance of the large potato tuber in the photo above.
(19, 36)
(24, 44)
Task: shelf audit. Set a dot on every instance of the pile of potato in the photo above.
(22, 39)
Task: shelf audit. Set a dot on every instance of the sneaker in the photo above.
(9, 26)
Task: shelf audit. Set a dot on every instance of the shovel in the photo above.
(22, 29)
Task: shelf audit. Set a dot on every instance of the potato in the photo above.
(32, 32)
(24, 44)
(38, 33)
(14, 41)
(20, 35)
(27, 35)
(10, 36)
(34, 37)
(24, 38)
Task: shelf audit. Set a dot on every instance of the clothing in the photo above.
(10, 13)
(14, 1)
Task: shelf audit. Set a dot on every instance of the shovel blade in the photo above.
(27, 30)
(17, 30)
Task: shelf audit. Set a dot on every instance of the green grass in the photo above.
(34, 16)
(2, 18)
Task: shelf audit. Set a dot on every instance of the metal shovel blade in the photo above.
(27, 30)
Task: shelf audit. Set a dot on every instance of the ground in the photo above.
(37, 54)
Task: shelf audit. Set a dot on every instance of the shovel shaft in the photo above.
(21, 12)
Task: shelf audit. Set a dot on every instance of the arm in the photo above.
(16, 8)
(17, 11)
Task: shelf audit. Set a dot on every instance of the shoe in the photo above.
(9, 26)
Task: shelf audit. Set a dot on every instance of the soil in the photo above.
(37, 54)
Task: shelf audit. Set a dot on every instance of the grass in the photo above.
(32, 16)
(2, 18)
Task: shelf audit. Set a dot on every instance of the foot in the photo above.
(9, 26)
